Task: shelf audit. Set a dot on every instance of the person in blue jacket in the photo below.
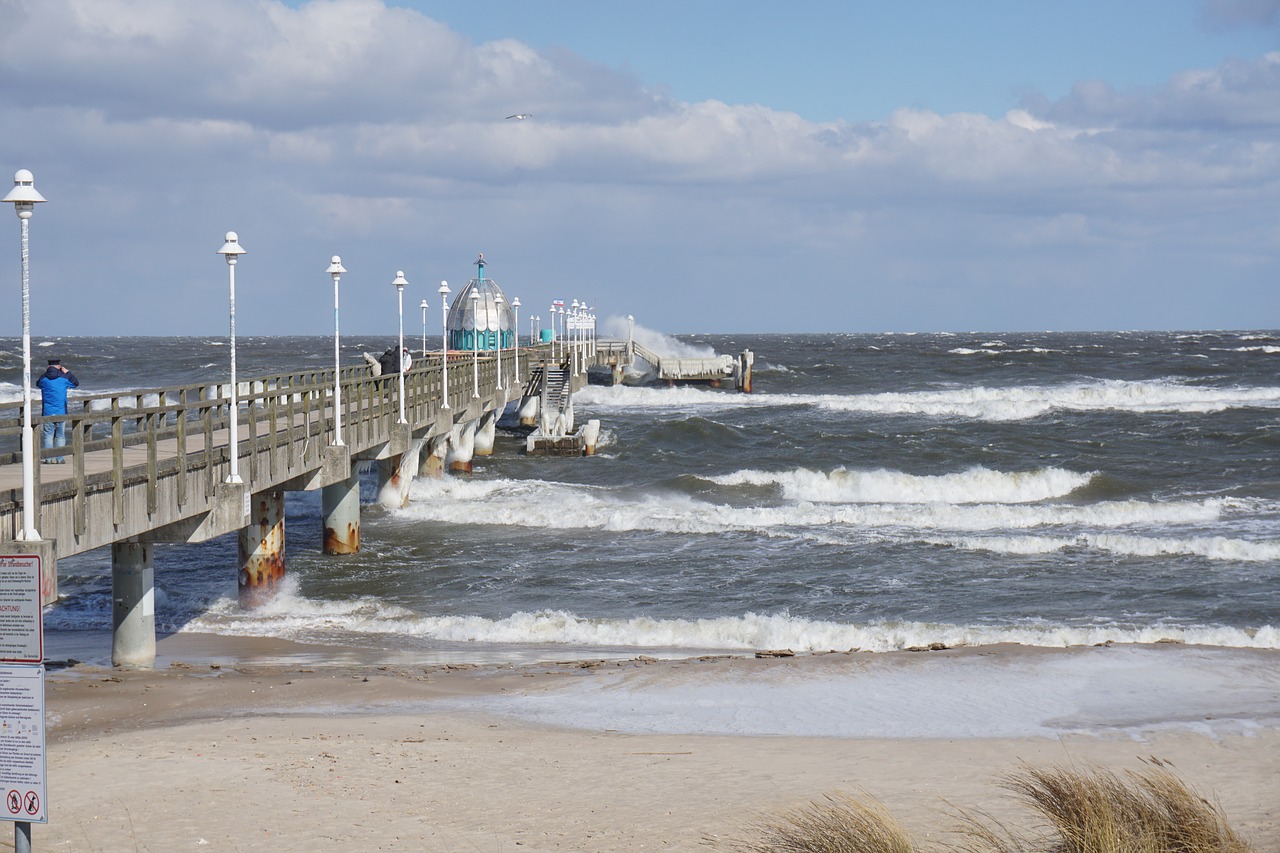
(53, 401)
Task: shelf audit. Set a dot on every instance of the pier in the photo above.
(155, 465)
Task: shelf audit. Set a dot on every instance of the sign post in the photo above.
(22, 734)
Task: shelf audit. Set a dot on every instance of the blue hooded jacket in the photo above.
(53, 389)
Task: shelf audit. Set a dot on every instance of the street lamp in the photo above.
(574, 329)
(475, 342)
(24, 199)
(232, 250)
(497, 302)
(444, 342)
(515, 333)
(399, 284)
(336, 270)
(631, 329)
(424, 307)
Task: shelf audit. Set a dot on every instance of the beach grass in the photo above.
(1080, 810)
(839, 823)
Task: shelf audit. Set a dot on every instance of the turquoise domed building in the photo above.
(480, 317)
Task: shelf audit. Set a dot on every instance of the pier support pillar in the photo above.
(395, 476)
(262, 550)
(340, 507)
(590, 437)
(529, 411)
(486, 433)
(745, 363)
(462, 443)
(431, 460)
(133, 605)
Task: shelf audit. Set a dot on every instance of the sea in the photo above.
(874, 492)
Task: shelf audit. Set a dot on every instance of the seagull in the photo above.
(522, 116)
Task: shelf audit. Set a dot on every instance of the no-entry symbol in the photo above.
(32, 804)
(14, 802)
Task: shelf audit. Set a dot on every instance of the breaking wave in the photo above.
(975, 402)
(291, 617)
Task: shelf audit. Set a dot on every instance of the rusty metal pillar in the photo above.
(431, 462)
(340, 506)
(262, 550)
(486, 433)
(462, 445)
(133, 607)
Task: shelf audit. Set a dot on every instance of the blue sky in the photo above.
(707, 166)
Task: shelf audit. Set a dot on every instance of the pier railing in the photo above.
(118, 442)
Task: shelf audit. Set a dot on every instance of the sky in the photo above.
(735, 166)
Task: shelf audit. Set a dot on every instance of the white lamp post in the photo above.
(631, 329)
(399, 284)
(497, 304)
(572, 333)
(515, 330)
(336, 270)
(24, 199)
(553, 332)
(475, 343)
(444, 342)
(424, 307)
(231, 250)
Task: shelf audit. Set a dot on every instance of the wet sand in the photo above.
(234, 744)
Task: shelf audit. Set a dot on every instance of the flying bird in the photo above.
(521, 116)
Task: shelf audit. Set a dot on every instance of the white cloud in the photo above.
(344, 121)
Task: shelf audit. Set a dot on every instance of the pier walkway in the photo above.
(154, 465)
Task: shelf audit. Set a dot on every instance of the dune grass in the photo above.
(1080, 810)
(839, 823)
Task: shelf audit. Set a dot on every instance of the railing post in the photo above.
(182, 446)
(79, 505)
(150, 420)
(117, 462)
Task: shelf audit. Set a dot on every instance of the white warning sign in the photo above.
(21, 619)
(22, 744)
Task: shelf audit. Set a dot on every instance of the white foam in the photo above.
(977, 402)
(291, 616)
(545, 505)
(976, 485)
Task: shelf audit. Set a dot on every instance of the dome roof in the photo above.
(491, 314)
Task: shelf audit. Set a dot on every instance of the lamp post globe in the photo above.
(444, 342)
(232, 250)
(24, 199)
(475, 343)
(335, 271)
(399, 283)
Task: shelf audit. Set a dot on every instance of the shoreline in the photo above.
(276, 751)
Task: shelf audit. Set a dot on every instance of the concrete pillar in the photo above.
(395, 475)
(462, 445)
(590, 437)
(133, 609)
(528, 410)
(340, 506)
(486, 433)
(262, 550)
(745, 363)
(431, 461)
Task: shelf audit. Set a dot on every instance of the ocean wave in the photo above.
(1125, 545)
(976, 485)
(976, 402)
(292, 617)
(555, 506)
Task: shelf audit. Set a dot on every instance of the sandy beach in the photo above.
(278, 752)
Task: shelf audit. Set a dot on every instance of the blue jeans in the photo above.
(55, 435)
